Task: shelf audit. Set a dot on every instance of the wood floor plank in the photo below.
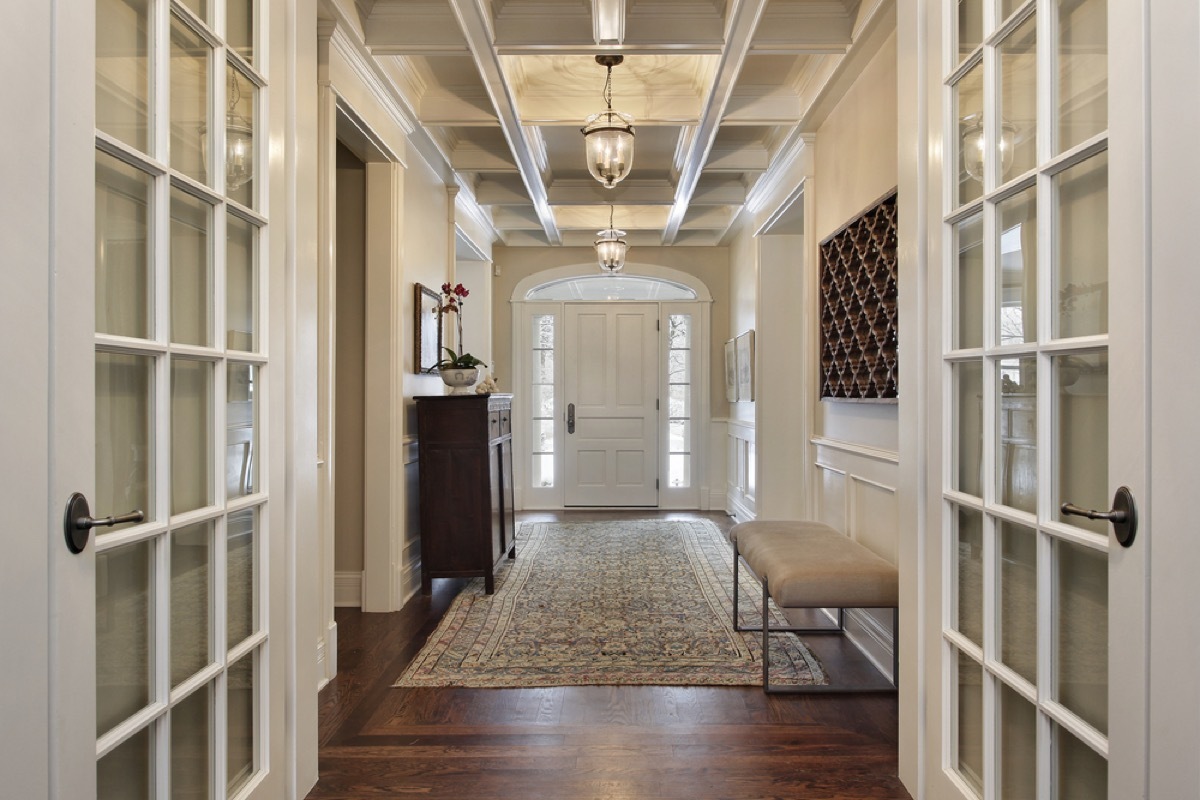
(589, 742)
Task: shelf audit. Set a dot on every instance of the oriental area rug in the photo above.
(607, 603)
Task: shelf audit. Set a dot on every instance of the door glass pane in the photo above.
(1018, 746)
(1081, 447)
(123, 71)
(1080, 639)
(190, 57)
(124, 633)
(543, 367)
(543, 436)
(191, 270)
(240, 128)
(1017, 260)
(191, 755)
(1018, 100)
(241, 437)
(543, 332)
(1018, 599)
(968, 103)
(679, 470)
(240, 548)
(1081, 249)
(191, 434)
(124, 435)
(1016, 468)
(239, 27)
(543, 401)
(127, 773)
(968, 426)
(241, 284)
(968, 576)
(678, 363)
(1082, 74)
(679, 401)
(1080, 773)
(679, 436)
(191, 600)
(970, 722)
(543, 471)
(968, 279)
(241, 723)
(123, 277)
(970, 26)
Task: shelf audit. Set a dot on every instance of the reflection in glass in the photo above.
(1016, 467)
(123, 95)
(1080, 639)
(191, 434)
(1081, 249)
(240, 724)
(191, 270)
(1018, 746)
(679, 331)
(968, 426)
(1081, 448)
(127, 773)
(969, 720)
(241, 123)
(1082, 74)
(190, 56)
(123, 278)
(191, 757)
(1017, 260)
(198, 7)
(1080, 772)
(1018, 599)
(124, 633)
(191, 600)
(968, 279)
(124, 434)
(968, 105)
(1018, 98)
(241, 432)
(543, 401)
(543, 332)
(241, 284)
(970, 26)
(968, 575)
(240, 538)
(239, 27)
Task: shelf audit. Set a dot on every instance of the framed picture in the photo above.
(745, 366)
(731, 371)
(428, 338)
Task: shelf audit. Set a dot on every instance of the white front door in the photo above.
(1039, 663)
(611, 402)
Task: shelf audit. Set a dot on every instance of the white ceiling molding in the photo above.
(608, 21)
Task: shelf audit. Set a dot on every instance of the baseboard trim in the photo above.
(347, 589)
(735, 508)
(872, 637)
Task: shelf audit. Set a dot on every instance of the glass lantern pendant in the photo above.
(239, 140)
(608, 136)
(974, 145)
(611, 247)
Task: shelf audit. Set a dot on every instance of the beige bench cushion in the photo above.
(811, 565)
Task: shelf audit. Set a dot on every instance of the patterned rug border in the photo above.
(480, 665)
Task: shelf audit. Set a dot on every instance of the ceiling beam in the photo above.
(743, 20)
(608, 21)
(475, 23)
(402, 27)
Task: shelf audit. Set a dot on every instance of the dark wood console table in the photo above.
(467, 517)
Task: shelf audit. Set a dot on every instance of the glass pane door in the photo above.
(1025, 371)
(180, 372)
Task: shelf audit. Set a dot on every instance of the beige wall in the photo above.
(351, 255)
(743, 312)
(709, 264)
(856, 157)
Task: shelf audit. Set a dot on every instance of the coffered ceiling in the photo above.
(720, 91)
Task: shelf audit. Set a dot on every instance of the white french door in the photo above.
(611, 404)
(1041, 656)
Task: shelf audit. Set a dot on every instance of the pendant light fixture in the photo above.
(611, 247)
(608, 136)
(239, 139)
(974, 145)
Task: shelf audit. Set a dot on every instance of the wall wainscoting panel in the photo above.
(739, 471)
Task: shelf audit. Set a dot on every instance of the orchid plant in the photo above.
(452, 303)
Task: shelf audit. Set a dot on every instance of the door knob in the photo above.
(1123, 515)
(78, 521)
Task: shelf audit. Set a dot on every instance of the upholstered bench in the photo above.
(811, 565)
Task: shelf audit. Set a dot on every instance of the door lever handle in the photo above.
(570, 417)
(78, 521)
(1123, 515)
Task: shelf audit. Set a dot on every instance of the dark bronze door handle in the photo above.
(78, 522)
(570, 417)
(1123, 515)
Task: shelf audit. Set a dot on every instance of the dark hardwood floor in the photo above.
(589, 742)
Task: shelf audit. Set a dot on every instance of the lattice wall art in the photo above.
(858, 307)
